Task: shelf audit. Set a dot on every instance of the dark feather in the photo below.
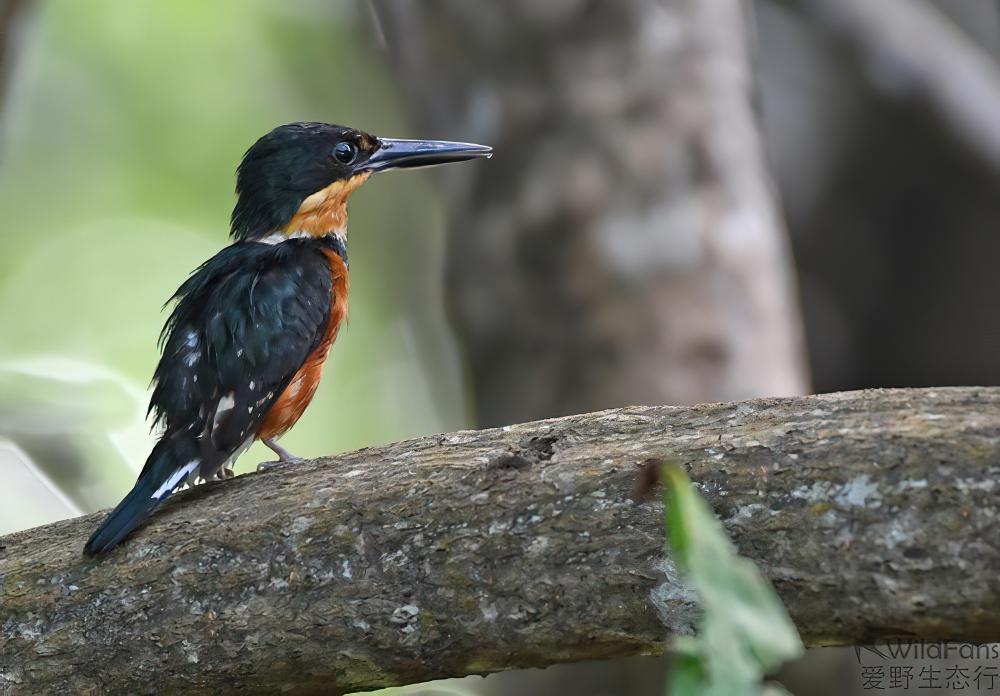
(141, 500)
(243, 325)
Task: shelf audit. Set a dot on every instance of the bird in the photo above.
(244, 346)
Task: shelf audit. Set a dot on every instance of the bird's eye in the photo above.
(345, 152)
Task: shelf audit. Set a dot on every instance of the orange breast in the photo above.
(292, 402)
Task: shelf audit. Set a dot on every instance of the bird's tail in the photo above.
(172, 460)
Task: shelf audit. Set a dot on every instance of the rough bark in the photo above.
(622, 246)
(872, 512)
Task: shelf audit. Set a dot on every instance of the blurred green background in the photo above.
(122, 127)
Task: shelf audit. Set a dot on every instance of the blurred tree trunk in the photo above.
(623, 246)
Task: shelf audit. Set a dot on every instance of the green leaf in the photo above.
(745, 631)
(686, 675)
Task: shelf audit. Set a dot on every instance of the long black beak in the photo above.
(406, 154)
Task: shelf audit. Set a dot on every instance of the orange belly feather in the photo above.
(292, 402)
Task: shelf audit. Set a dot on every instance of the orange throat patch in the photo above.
(325, 211)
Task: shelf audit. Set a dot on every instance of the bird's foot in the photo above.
(284, 456)
(265, 466)
(225, 473)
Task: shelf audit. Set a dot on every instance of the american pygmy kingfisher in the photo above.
(244, 346)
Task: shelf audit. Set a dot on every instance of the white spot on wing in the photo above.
(224, 406)
(172, 482)
(192, 356)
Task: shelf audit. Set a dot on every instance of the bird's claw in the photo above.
(265, 466)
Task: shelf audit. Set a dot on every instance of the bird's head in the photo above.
(296, 179)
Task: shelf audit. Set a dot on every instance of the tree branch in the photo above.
(872, 512)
